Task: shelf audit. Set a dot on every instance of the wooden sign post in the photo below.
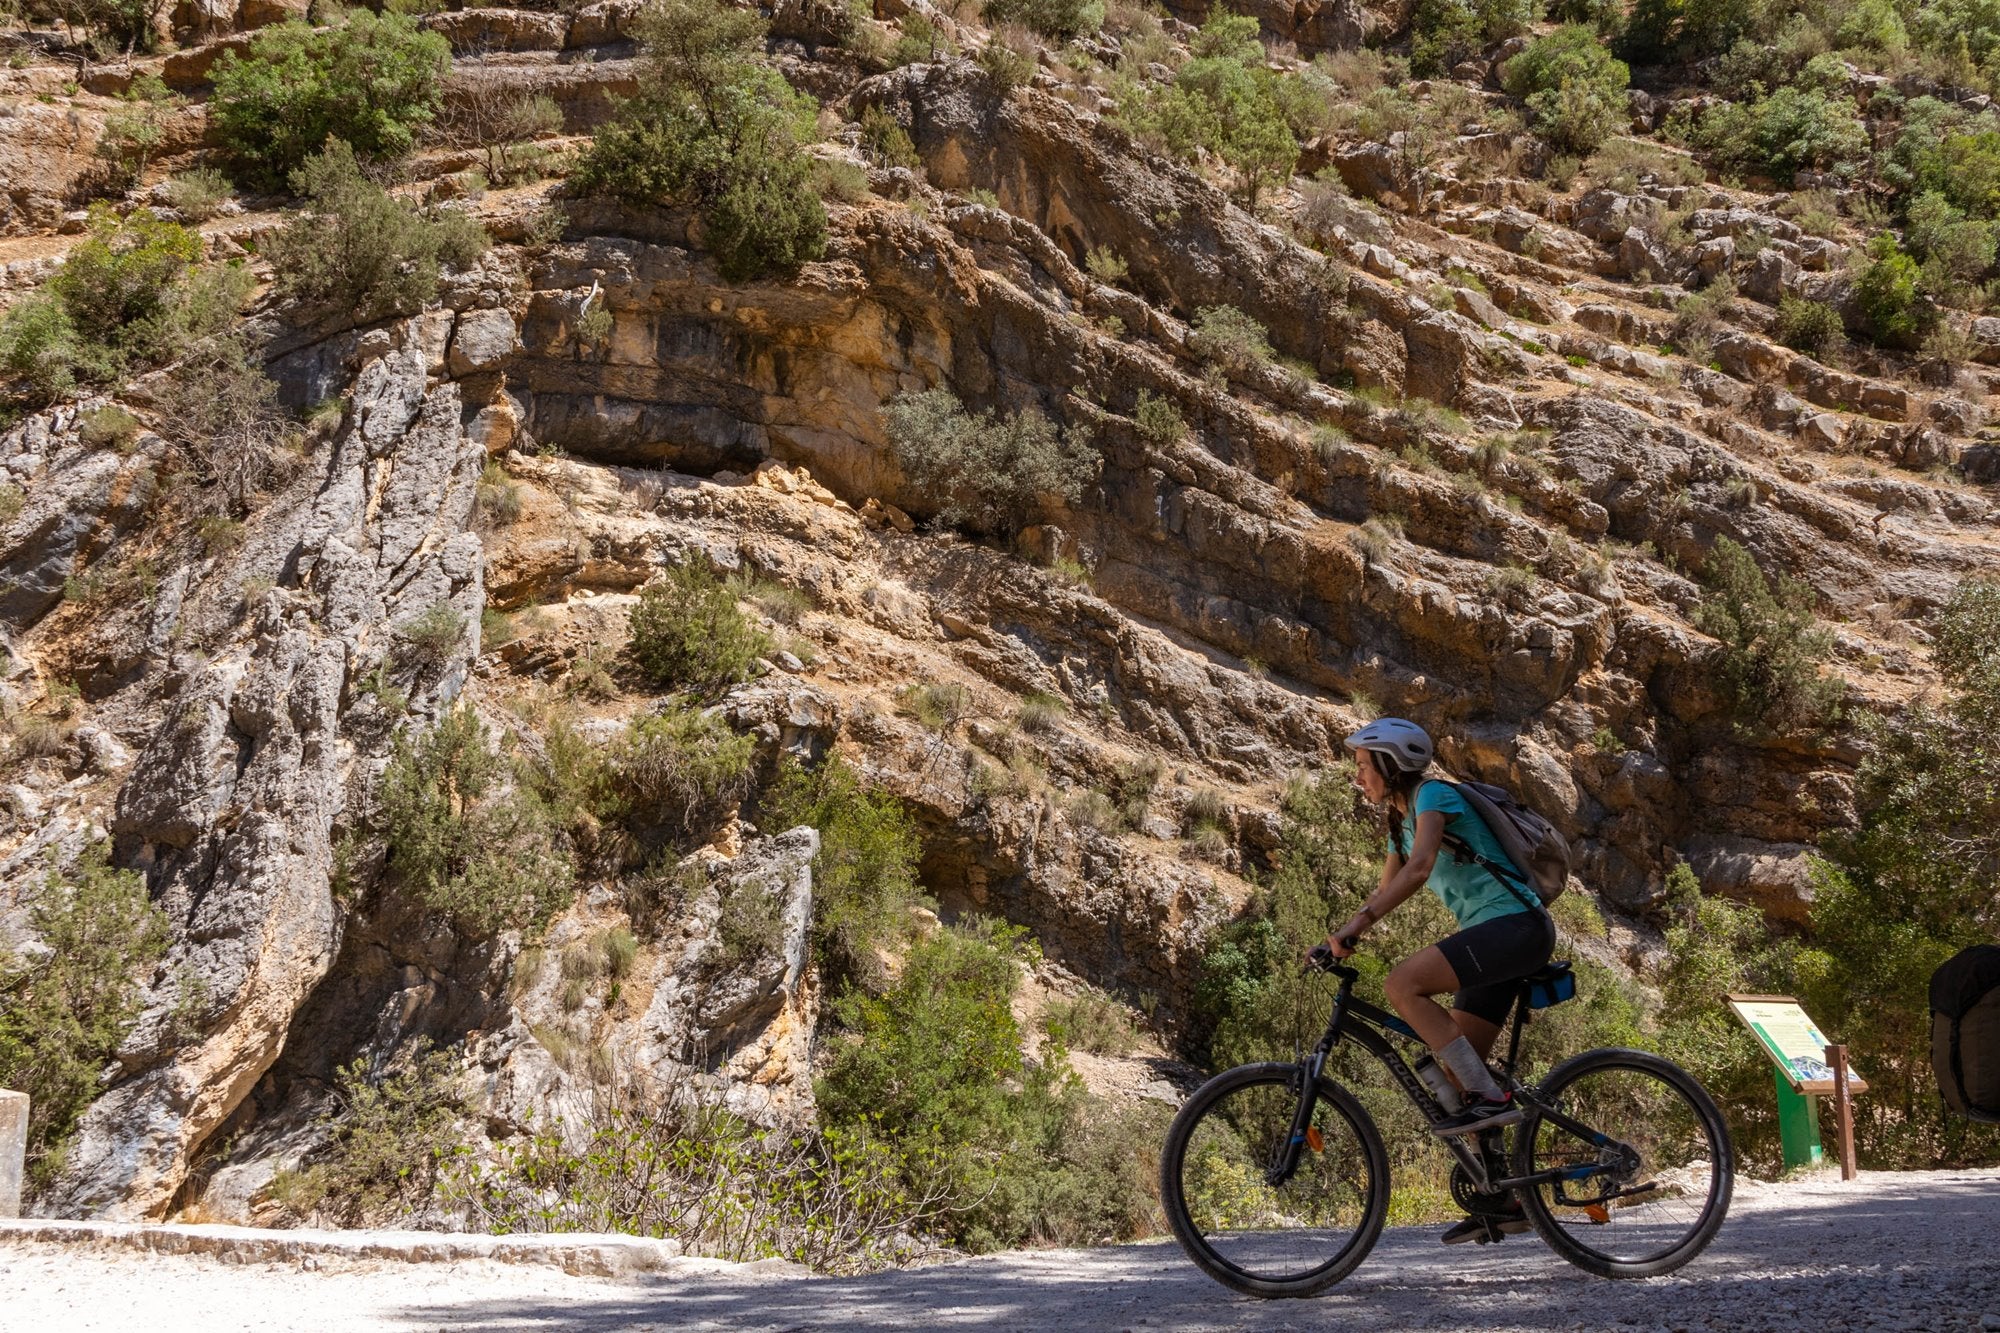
(1843, 1109)
(1804, 1073)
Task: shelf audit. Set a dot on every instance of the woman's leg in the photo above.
(1410, 987)
(1477, 1030)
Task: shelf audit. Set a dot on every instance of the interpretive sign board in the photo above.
(1792, 1040)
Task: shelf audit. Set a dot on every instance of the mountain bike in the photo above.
(1276, 1183)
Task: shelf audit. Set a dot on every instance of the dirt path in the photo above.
(1915, 1251)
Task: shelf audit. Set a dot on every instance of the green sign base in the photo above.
(1798, 1124)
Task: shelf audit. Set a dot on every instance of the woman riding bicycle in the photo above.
(1504, 934)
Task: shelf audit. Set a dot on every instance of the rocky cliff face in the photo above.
(1237, 617)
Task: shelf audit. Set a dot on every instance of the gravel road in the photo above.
(1903, 1251)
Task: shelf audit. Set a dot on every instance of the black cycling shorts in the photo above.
(1490, 959)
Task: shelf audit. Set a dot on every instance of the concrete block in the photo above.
(13, 1149)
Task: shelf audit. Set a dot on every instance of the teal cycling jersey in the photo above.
(1473, 893)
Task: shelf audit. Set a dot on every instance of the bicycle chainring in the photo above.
(1475, 1201)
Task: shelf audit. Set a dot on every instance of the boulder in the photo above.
(483, 340)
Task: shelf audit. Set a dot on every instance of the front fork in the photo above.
(1306, 1074)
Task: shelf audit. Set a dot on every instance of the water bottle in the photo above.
(1440, 1086)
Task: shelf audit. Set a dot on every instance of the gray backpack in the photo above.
(1540, 855)
(1965, 1032)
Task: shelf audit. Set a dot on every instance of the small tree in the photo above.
(1574, 88)
(467, 839)
(64, 1011)
(372, 82)
(1889, 298)
(1772, 644)
(360, 251)
(687, 632)
(988, 475)
(1812, 327)
(716, 126)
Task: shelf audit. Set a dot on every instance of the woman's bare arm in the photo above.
(1400, 878)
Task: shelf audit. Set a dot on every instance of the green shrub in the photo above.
(1089, 1021)
(1772, 645)
(133, 132)
(1574, 89)
(1446, 32)
(678, 775)
(715, 126)
(865, 889)
(1225, 336)
(198, 195)
(886, 141)
(1224, 102)
(130, 294)
(1964, 168)
(1006, 63)
(390, 1136)
(360, 251)
(1716, 948)
(64, 1012)
(108, 427)
(429, 638)
(1888, 298)
(1812, 327)
(921, 43)
(1040, 712)
(668, 1159)
(1158, 420)
(1954, 251)
(1657, 31)
(688, 634)
(1791, 129)
(989, 476)
(465, 837)
(1060, 19)
(935, 1066)
(220, 407)
(1909, 885)
(373, 82)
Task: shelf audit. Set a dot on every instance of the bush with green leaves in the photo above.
(1889, 298)
(1910, 884)
(687, 633)
(131, 294)
(66, 1005)
(1225, 336)
(1445, 32)
(1812, 327)
(668, 1159)
(715, 127)
(390, 1134)
(865, 889)
(1954, 251)
(1792, 129)
(934, 1065)
(1058, 19)
(1657, 31)
(990, 476)
(372, 81)
(1574, 88)
(1224, 102)
(466, 836)
(676, 776)
(359, 251)
(1771, 644)
(1716, 948)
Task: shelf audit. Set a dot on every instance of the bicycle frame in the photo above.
(1372, 1030)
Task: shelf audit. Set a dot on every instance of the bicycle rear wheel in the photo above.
(1669, 1164)
(1293, 1239)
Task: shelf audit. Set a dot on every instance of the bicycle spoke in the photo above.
(1644, 1196)
(1274, 1233)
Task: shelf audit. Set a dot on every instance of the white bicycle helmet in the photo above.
(1408, 745)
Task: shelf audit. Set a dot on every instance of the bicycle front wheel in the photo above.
(1652, 1194)
(1291, 1239)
